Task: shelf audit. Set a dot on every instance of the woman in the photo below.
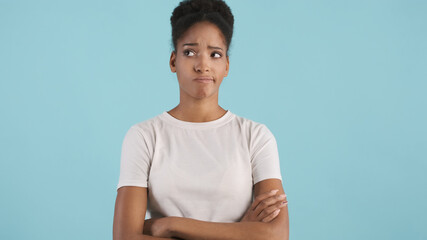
(196, 169)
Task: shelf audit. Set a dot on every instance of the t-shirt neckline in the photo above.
(197, 125)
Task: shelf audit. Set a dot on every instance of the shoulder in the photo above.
(256, 133)
(253, 128)
(145, 129)
(148, 123)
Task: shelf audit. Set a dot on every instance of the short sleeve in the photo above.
(265, 156)
(135, 160)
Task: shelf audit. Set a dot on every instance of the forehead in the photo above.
(203, 33)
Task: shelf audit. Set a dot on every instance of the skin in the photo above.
(206, 56)
(191, 229)
(199, 101)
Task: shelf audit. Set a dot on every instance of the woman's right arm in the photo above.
(129, 214)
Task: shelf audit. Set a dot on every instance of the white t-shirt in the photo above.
(199, 170)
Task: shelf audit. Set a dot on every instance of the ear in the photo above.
(227, 67)
(172, 61)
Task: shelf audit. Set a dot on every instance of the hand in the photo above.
(157, 227)
(265, 208)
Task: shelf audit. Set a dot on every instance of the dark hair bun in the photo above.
(190, 12)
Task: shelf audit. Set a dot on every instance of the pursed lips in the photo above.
(204, 79)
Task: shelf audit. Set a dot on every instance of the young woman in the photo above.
(198, 170)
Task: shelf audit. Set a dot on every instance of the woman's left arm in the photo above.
(192, 229)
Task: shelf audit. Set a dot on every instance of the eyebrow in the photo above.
(196, 44)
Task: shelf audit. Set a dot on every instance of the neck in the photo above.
(199, 110)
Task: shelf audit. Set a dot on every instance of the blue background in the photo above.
(341, 84)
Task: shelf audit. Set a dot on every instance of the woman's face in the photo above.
(200, 61)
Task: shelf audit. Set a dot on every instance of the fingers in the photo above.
(262, 197)
(270, 217)
(266, 203)
(271, 212)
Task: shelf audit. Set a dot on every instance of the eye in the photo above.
(216, 55)
(189, 52)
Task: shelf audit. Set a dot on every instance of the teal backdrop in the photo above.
(341, 84)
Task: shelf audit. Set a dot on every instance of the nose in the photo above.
(202, 64)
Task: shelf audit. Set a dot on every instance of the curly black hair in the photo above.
(190, 12)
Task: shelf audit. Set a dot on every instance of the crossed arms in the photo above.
(258, 223)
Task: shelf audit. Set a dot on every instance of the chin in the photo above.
(202, 95)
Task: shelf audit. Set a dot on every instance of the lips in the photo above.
(204, 79)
